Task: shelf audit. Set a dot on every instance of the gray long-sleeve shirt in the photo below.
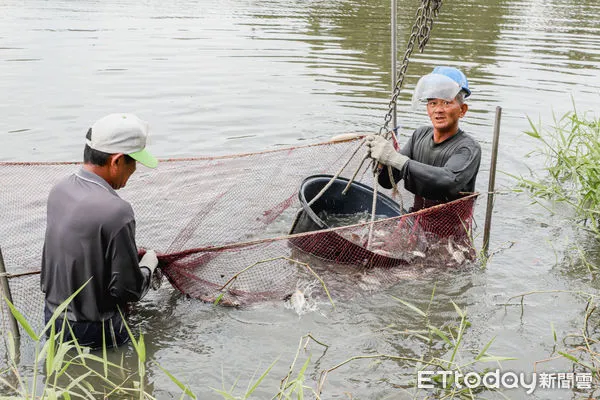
(437, 171)
(90, 233)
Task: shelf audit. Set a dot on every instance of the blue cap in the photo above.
(456, 75)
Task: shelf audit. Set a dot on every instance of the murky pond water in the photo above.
(218, 77)
(337, 220)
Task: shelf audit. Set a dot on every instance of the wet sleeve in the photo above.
(128, 282)
(384, 176)
(443, 183)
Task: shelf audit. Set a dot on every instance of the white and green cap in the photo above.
(122, 133)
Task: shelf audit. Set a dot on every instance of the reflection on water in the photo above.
(216, 77)
(221, 77)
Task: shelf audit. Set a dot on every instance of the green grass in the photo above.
(570, 146)
(62, 369)
(65, 370)
(446, 352)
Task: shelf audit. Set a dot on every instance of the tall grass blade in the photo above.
(569, 356)
(22, 321)
(496, 358)
(12, 350)
(80, 378)
(441, 334)
(104, 356)
(534, 132)
(485, 349)
(63, 306)
(460, 312)
(226, 396)
(176, 381)
(63, 349)
(50, 349)
(141, 349)
(412, 307)
(50, 394)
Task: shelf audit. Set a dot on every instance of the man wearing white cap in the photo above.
(441, 161)
(90, 235)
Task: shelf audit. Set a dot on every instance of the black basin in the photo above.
(330, 245)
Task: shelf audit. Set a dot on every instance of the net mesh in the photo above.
(220, 226)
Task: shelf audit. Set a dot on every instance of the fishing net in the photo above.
(220, 226)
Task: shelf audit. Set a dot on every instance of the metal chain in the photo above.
(419, 33)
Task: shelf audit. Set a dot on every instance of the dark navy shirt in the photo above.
(90, 233)
(437, 171)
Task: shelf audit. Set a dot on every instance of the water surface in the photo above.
(219, 77)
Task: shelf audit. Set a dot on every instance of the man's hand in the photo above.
(383, 152)
(150, 261)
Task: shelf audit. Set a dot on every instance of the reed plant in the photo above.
(63, 369)
(454, 360)
(570, 147)
(292, 386)
(571, 152)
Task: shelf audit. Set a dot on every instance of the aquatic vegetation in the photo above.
(581, 347)
(571, 149)
(452, 359)
(62, 369)
(94, 376)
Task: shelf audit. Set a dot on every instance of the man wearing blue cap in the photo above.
(441, 161)
(90, 236)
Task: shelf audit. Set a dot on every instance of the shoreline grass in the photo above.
(571, 151)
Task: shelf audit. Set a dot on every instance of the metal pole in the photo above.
(492, 182)
(394, 51)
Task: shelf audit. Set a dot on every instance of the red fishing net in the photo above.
(221, 225)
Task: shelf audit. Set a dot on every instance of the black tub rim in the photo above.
(313, 216)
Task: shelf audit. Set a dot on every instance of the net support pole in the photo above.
(5, 288)
(394, 51)
(492, 182)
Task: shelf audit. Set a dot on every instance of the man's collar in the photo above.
(458, 132)
(93, 178)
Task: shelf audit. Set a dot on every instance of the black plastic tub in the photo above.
(330, 245)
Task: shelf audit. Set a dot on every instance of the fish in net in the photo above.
(221, 226)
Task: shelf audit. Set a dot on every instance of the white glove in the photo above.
(150, 261)
(383, 152)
